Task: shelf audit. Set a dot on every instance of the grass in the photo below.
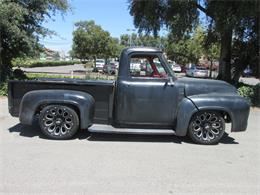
(31, 76)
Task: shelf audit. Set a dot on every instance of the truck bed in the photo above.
(101, 90)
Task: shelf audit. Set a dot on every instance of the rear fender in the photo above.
(33, 100)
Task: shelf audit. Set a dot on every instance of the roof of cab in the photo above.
(140, 49)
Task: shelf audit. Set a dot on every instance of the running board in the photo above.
(96, 128)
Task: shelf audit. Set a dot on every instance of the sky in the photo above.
(111, 15)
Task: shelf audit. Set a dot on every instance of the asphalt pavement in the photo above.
(126, 164)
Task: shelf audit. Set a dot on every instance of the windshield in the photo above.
(149, 66)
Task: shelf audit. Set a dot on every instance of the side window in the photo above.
(146, 66)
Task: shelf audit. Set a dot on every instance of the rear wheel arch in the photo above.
(34, 101)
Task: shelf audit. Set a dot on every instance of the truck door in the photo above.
(145, 96)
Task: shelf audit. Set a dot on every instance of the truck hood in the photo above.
(196, 86)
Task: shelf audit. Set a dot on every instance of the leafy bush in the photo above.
(3, 89)
(249, 93)
(30, 63)
(31, 76)
(89, 65)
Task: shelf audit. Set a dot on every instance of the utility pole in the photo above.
(130, 37)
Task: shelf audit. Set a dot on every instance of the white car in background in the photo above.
(100, 63)
(135, 68)
(197, 71)
(176, 68)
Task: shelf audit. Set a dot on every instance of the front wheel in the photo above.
(58, 122)
(206, 127)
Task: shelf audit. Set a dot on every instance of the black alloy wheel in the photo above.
(58, 122)
(207, 127)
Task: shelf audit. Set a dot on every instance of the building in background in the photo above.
(49, 55)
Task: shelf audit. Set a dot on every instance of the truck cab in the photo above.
(142, 91)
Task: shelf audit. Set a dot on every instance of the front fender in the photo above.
(184, 113)
(32, 100)
(236, 107)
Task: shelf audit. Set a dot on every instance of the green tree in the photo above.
(231, 20)
(180, 17)
(124, 40)
(192, 47)
(90, 40)
(178, 51)
(142, 40)
(113, 49)
(21, 27)
(188, 49)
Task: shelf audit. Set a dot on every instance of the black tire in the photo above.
(206, 127)
(59, 122)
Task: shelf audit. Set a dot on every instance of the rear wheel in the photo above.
(207, 127)
(58, 122)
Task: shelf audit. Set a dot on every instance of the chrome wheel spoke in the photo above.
(57, 131)
(68, 120)
(210, 135)
(63, 130)
(202, 117)
(196, 128)
(67, 126)
(53, 112)
(51, 128)
(204, 135)
(199, 133)
(216, 125)
(213, 119)
(215, 131)
(208, 116)
(48, 123)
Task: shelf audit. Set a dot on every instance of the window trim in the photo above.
(159, 56)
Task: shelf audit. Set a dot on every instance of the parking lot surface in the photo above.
(126, 164)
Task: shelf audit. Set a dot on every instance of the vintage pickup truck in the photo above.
(146, 98)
